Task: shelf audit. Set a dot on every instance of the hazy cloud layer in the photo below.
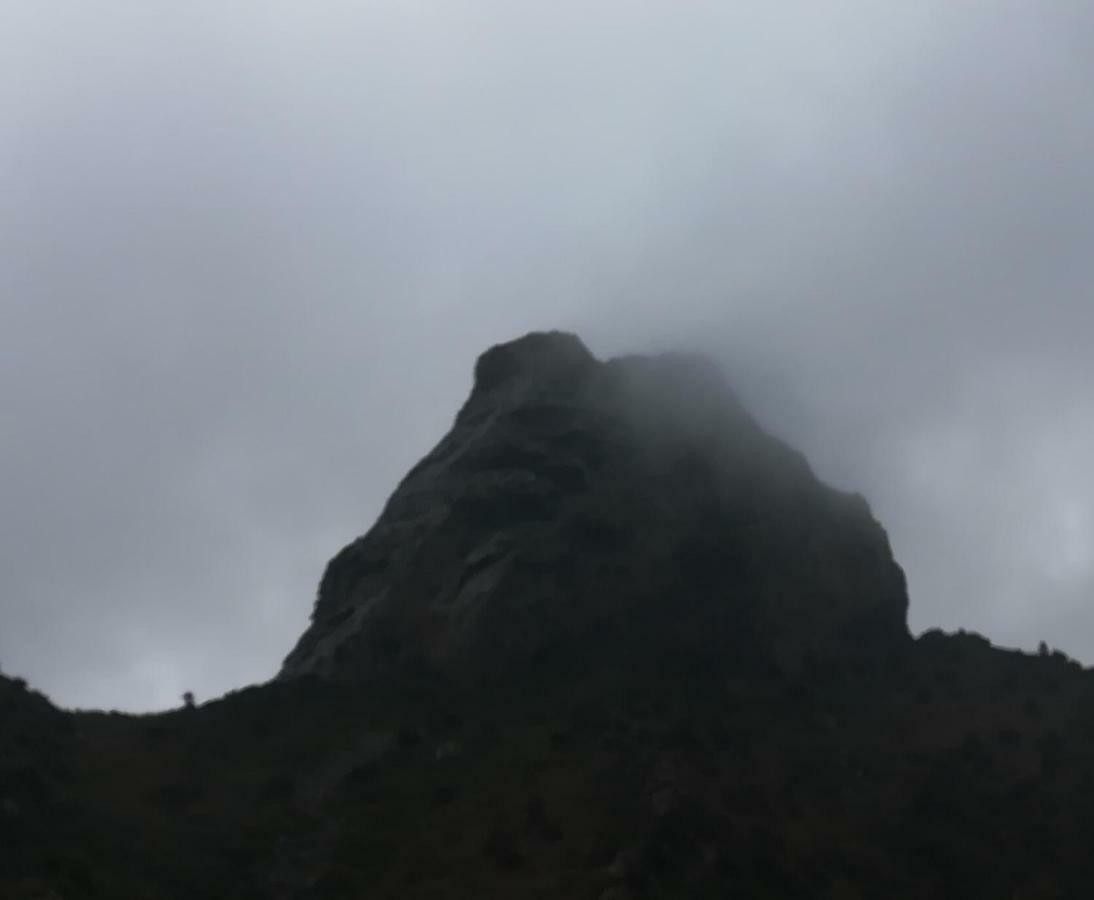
(249, 251)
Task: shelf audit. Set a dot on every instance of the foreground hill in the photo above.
(608, 639)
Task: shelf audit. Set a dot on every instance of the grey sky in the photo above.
(250, 250)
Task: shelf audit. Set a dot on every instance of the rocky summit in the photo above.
(608, 640)
(586, 506)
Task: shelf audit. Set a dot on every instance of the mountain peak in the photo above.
(574, 498)
(607, 639)
(539, 354)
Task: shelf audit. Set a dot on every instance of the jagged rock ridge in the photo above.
(586, 507)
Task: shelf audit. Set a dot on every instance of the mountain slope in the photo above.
(609, 640)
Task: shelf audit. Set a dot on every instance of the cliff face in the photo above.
(581, 507)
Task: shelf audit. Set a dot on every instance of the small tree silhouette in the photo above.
(188, 699)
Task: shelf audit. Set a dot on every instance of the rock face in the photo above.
(581, 509)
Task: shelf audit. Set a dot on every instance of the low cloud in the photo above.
(251, 252)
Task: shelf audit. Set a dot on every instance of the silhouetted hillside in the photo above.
(609, 640)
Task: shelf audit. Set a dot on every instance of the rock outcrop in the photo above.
(581, 508)
(608, 639)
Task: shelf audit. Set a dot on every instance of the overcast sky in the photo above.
(250, 250)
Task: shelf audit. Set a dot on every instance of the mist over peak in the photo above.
(248, 254)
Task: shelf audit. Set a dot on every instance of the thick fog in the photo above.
(249, 252)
